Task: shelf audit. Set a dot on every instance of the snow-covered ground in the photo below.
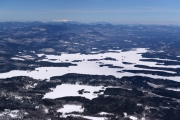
(12, 113)
(71, 108)
(68, 108)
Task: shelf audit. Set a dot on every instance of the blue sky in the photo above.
(113, 11)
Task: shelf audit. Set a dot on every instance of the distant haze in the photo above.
(112, 11)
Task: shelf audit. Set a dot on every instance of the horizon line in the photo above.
(83, 22)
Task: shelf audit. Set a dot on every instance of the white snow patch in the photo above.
(29, 87)
(18, 97)
(104, 113)
(46, 110)
(143, 118)
(133, 118)
(40, 55)
(125, 114)
(12, 113)
(35, 84)
(138, 104)
(33, 51)
(36, 107)
(71, 108)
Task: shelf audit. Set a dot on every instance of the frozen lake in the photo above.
(90, 66)
(72, 90)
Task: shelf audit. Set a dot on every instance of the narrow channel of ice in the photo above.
(154, 85)
(94, 118)
(87, 117)
(15, 58)
(173, 89)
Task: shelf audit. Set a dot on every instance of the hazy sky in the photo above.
(114, 11)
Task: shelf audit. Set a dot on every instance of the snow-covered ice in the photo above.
(94, 118)
(65, 90)
(87, 117)
(92, 67)
(173, 89)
